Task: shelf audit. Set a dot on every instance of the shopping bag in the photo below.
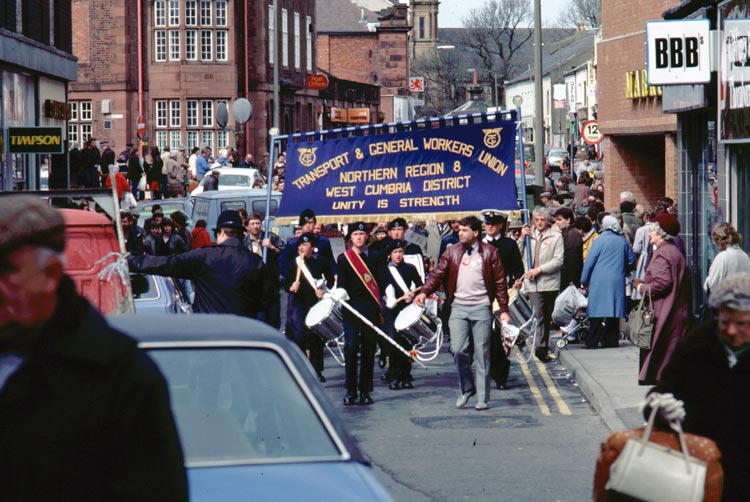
(129, 201)
(143, 184)
(641, 322)
(567, 303)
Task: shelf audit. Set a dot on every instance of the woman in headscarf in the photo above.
(607, 263)
(666, 280)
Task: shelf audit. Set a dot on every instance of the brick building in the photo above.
(640, 146)
(36, 65)
(173, 62)
(354, 44)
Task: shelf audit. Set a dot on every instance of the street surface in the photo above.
(538, 441)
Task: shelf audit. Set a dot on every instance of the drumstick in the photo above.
(299, 269)
(407, 294)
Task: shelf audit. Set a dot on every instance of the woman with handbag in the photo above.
(707, 380)
(667, 281)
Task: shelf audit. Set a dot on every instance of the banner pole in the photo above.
(523, 186)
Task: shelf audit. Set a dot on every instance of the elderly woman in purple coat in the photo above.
(667, 280)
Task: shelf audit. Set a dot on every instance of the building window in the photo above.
(161, 139)
(308, 28)
(271, 34)
(206, 45)
(222, 139)
(192, 139)
(174, 114)
(174, 45)
(221, 12)
(73, 111)
(207, 113)
(72, 133)
(175, 139)
(191, 108)
(161, 113)
(160, 13)
(191, 12)
(174, 12)
(160, 45)
(207, 138)
(85, 132)
(284, 38)
(221, 45)
(205, 13)
(191, 45)
(296, 41)
(421, 27)
(85, 107)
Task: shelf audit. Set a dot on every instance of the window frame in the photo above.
(173, 12)
(284, 38)
(191, 12)
(308, 28)
(221, 40)
(160, 45)
(161, 113)
(297, 42)
(160, 13)
(191, 113)
(191, 50)
(207, 49)
(174, 45)
(175, 112)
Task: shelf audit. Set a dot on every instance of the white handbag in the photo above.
(652, 472)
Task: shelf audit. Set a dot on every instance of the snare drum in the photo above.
(520, 309)
(325, 319)
(417, 324)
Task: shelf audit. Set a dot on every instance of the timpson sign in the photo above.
(44, 140)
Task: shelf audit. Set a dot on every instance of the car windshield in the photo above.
(241, 405)
(234, 180)
(165, 206)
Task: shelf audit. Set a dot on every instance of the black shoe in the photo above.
(501, 385)
(364, 398)
(349, 400)
(382, 362)
(321, 378)
(542, 354)
(394, 385)
(386, 377)
(407, 385)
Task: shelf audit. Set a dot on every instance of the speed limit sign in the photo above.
(591, 133)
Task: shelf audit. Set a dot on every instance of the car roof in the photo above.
(74, 217)
(249, 171)
(207, 330)
(231, 194)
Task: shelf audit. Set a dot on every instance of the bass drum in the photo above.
(417, 324)
(326, 320)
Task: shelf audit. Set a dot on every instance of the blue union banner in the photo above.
(424, 174)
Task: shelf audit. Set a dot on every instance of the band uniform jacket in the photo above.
(510, 256)
(350, 281)
(446, 273)
(408, 273)
(228, 278)
(289, 253)
(305, 296)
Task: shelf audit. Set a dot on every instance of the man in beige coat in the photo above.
(542, 278)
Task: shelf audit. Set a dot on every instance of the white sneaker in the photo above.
(573, 324)
(481, 405)
(464, 398)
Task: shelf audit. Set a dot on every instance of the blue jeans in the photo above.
(474, 321)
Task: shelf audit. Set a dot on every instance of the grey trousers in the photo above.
(474, 321)
(544, 303)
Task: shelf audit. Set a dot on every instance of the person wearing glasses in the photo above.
(228, 278)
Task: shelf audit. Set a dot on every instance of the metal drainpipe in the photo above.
(140, 58)
(247, 74)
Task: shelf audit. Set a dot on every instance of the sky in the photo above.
(453, 11)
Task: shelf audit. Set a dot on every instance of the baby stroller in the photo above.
(577, 330)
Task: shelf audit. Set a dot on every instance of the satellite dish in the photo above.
(242, 110)
(222, 115)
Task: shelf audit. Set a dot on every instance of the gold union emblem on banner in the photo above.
(307, 156)
(492, 137)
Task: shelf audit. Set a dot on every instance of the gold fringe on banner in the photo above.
(325, 219)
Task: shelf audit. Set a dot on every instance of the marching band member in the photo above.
(495, 224)
(356, 277)
(306, 281)
(473, 276)
(398, 280)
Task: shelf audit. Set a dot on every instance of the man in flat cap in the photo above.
(357, 276)
(306, 280)
(85, 414)
(228, 277)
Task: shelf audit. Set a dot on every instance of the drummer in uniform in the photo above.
(303, 295)
(356, 275)
(398, 280)
(495, 224)
(396, 231)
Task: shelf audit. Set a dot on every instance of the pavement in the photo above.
(608, 378)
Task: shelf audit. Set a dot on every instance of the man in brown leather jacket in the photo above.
(472, 273)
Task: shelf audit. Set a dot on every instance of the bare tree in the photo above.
(444, 77)
(492, 33)
(581, 11)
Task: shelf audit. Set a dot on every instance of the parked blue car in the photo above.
(254, 422)
(154, 294)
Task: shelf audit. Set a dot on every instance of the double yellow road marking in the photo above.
(551, 389)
